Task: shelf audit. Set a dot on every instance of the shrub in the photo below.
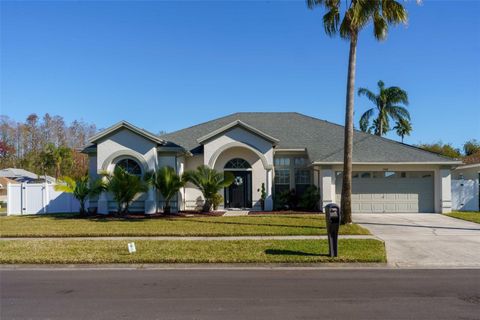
(217, 199)
(287, 200)
(310, 198)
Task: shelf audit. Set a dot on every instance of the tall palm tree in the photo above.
(209, 182)
(81, 189)
(387, 105)
(124, 187)
(403, 127)
(349, 23)
(167, 182)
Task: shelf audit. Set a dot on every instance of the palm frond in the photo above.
(369, 94)
(365, 120)
(397, 112)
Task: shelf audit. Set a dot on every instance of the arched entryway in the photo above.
(239, 193)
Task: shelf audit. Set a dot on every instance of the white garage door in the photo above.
(382, 191)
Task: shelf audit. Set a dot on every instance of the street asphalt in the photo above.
(240, 294)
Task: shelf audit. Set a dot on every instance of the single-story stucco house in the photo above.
(281, 150)
(465, 188)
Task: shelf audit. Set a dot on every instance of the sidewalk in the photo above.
(166, 238)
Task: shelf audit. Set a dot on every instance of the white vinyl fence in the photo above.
(465, 195)
(36, 198)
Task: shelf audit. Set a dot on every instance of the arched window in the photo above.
(131, 166)
(237, 163)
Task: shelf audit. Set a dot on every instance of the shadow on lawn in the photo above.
(281, 252)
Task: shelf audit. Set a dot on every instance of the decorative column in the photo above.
(151, 202)
(446, 191)
(268, 190)
(102, 203)
(327, 182)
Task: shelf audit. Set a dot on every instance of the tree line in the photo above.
(45, 145)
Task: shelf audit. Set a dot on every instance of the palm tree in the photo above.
(403, 128)
(210, 182)
(356, 16)
(167, 182)
(386, 106)
(124, 187)
(81, 189)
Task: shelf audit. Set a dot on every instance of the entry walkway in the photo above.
(425, 240)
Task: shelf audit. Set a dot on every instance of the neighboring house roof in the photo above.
(129, 126)
(469, 166)
(22, 175)
(5, 181)
(323, 140)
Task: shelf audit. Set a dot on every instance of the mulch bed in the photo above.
(283, 212)
(159, 215)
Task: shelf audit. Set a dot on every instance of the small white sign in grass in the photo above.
(131, 247)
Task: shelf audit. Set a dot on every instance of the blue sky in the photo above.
(169, 65)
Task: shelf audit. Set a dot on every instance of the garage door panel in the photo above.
(391, 194)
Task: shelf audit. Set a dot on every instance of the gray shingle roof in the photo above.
(322, 139)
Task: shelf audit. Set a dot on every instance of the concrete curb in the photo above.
(220, 266)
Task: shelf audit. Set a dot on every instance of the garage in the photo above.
(390, 191)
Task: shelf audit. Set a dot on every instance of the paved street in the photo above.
(425, 240)
(240, 294)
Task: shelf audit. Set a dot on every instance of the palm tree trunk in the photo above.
(346, 202)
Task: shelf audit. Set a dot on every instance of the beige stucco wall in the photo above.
(193, 197)
(240, 135)
(442, 182)
(123, 142)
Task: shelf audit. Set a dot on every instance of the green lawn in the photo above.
(154, 251)
(72, 226)
(473, 216)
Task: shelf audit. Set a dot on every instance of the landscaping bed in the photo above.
(282, 212)
(153, 251)
(473, 216)
(68, 225)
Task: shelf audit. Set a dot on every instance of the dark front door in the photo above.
(238, 194)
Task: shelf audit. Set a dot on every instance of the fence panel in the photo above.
(465, 195)
(34, 198)
(14, 199)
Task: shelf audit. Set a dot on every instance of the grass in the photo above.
(156, 251)
(68, 225)
(473, 216)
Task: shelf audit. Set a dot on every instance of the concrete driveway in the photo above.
(425, 240)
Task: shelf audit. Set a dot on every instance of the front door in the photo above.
(238, 194)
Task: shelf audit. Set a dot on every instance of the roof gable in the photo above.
(126, 125)
(234, 124)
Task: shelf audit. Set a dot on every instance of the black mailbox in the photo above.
(333, 218)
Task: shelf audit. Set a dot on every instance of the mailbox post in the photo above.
(333, 218)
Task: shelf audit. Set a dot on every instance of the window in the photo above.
(282, 176)
(302, 176)
(300, 162)
(237, 163)
(302, 180)
(365, 175)
(390, 174)
(282, 162)
(131, 166)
